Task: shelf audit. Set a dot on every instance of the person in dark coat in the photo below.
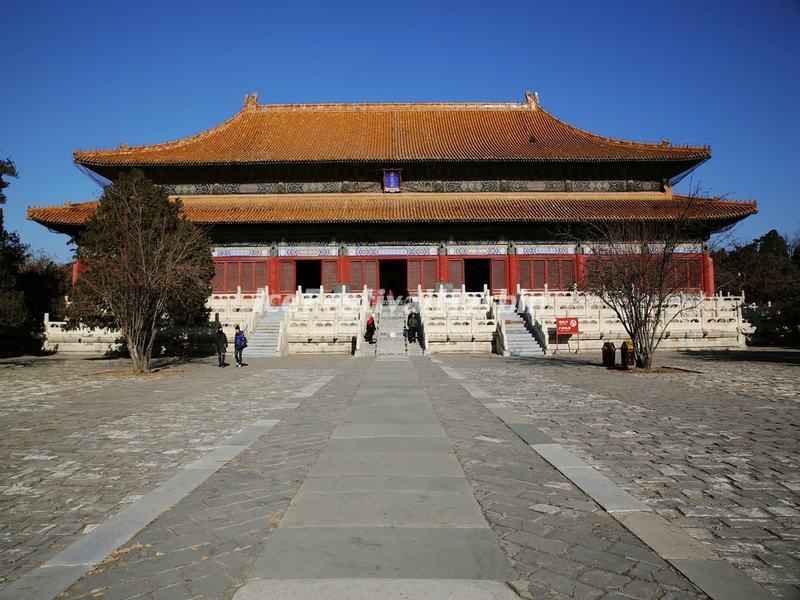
(222, 345)
(239, 344)
(413, 327)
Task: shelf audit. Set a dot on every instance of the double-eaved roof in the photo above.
(403, 133)
(506, 207)
(390, 132)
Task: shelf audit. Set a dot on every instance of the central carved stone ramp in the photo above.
(386, 512)
(391, 341)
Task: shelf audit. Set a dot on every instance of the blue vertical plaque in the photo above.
(391, 180)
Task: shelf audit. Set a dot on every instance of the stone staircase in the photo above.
(264, 340)
(520, 341)
(414, 349)
(391, 341)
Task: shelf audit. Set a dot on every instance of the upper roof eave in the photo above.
(391, 132)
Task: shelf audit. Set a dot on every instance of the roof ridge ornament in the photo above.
(532, 100)
(250, 101)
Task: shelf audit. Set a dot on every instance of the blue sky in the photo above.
(95, 74)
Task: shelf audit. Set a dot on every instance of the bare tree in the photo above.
(144, 265)
(638, 271)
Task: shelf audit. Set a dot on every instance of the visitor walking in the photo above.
(222, 345)
(370, 333)
(239, 344)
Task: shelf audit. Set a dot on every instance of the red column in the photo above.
(580, 270)
(273, 275)
(343, 270)
(444, 270)
(513, 273)
(708, 274)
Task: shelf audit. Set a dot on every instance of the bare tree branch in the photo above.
(144, 264)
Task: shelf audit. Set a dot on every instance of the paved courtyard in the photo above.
(715, 448)
(340, 477)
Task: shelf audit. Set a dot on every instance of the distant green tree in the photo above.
(13, 254)
(767, 270)
(44, 284)
(146, 266)
(763, 269)
(7, 169)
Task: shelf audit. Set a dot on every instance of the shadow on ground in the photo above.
(782, 355)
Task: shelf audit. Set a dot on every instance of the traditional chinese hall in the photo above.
(409, 196)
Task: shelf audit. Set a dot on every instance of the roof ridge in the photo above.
(630, 143)
(394, 105)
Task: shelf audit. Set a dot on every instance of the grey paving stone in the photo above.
(370, 431)
(410, 464)
(312, 387)
(667, 540)
(391, 415)
(602, 490)
(387, 444)
(530, 434)
(558, 456)
(720, 580)
(399, 483)
(383, 508)
(415, 553)
(47, 583)
(596, 558)
(537, 542)
(604, 580)
(369, 589)
(475, 391)
(566, 586)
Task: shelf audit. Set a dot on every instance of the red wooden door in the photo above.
(422, 272)
(498, 274)
(328, 275)
(287, 276)
(456, 272)
(363, 272)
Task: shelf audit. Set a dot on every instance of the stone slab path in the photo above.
(387, 500)
(340, 478)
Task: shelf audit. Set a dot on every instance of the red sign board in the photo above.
(566, 325)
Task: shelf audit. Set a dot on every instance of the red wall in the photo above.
(531, 271)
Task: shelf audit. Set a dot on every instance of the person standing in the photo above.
(239, 344)
(222, 345)
(413, 327)
(370, 333)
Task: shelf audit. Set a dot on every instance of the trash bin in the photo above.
(627, 355)
(609, 355)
